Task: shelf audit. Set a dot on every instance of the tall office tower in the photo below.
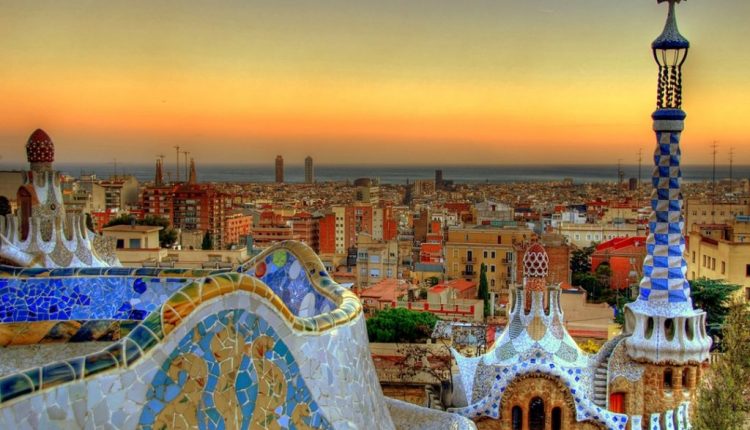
(309, 172)
(279, 169)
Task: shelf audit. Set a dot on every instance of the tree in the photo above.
(604, 275)
(400, 325)
(89, 222)
(580, 260)
(484, 290)
(207, 242)
(4, 206)
(713, 296)
(432, 281)
(724, 395)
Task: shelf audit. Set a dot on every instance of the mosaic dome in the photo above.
(535, 262)
(39, 148)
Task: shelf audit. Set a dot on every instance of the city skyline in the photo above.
(363, 83)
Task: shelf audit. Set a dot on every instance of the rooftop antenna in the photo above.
(640, 159)
(731, 182)
(177, 166)
(713, 182)
(731, 163)
(620, 176)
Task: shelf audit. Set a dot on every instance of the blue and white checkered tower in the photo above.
(663, 326)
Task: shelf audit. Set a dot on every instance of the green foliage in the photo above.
(596, 291)
(604, 274)
(89, 222)
(400, 325)
(580, 260)
(484, 290)
(714, 297)
(167, 235)
(4, 206)
(724, 396)
(207, 242)
(619, 304)
(432, 281)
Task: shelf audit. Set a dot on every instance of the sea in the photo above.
(400, 174)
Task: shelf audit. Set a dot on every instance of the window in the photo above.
(374, 273)
(134, 243)
(120, 243)
(693, 256)
(556, 418)
(516, 418)
(375, 259)
(493, 254)
(492, 268)
(485, 254)
(536, 414)
(667, 383)
(492, 283)
(723, 267)
(685, 378)
(747, 270)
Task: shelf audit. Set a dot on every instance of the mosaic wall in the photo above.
(238, 372)
(87, 294)
(286, 276)
(223, 352)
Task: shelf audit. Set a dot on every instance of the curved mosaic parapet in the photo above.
(224, 351)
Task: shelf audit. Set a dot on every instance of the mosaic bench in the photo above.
(275, 344)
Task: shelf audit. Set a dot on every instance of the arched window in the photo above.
(516, 418)
(536, 414)
(685, 378)
(667, 385)
(556, 418)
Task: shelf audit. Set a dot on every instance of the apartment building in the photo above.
(467, 248)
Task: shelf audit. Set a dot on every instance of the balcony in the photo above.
(469, 260)
(469, 274)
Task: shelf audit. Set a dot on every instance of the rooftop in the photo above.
(132, 228)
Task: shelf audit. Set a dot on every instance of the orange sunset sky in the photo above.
(418, 82)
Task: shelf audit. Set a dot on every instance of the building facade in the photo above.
(467, 248)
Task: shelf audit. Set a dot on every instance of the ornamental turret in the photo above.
(40, 151)
(662, 324)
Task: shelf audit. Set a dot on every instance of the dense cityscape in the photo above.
(172, 301)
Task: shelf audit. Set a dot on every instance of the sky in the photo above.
(366, 82)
